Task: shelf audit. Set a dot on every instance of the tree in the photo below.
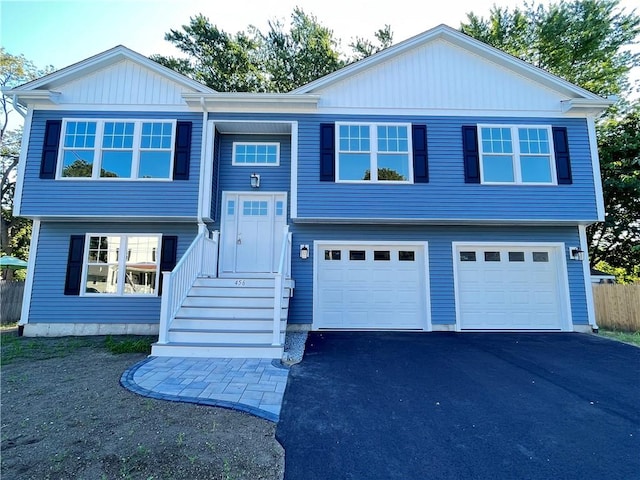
(364, 48)
(15, 232)
(616, 241)
(385, 174)
(279, 60)
(582, 41)
(586, 42)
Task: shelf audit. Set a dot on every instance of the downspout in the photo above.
(17, 107)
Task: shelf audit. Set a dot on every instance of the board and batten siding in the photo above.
(446, 196)
(440, 256)
(135, 198)
(236, 177)
(50, 305)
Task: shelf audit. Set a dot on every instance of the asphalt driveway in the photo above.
(385, 405)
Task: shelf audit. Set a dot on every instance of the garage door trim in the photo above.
(566, 323)
(317, 244)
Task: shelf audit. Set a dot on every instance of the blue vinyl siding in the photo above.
(440, 260)
(50, 305)
(446, 196)
(236, 177)
(177, 198)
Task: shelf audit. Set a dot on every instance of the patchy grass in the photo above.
(627, 337)
(8, 326)
(13, 347)
(129, 344)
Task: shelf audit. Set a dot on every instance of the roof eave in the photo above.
(215, 101)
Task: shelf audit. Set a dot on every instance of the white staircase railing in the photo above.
(200, 259)
(284, 271)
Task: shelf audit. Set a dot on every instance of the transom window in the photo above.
(253, 153)
(516, 154)
(121, 264)
(122, 149)
(255, 208)
(374, 153)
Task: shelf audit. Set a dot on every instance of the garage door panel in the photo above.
(380, 292)
(515, 292)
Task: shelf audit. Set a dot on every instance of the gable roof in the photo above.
(44, 86)
(443, 32)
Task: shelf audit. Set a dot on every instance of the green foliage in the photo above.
(622, 275)
(627, 337)
(128, 344)
(279, 60)
(582, 41)
(385, 174)
(616, 241)
(83, 169)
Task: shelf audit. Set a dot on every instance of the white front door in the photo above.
(252, 226)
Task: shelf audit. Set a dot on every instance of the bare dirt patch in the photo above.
(65, 415)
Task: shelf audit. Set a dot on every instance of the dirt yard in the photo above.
(65, 415)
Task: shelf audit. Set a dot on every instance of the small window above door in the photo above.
(265, 154)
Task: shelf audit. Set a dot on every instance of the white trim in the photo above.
(595, 162)
(22, 163)
(428, 326)
(439, 221)
(202, 190)
(373, 152)
(450, 112)
(138, 108)
(586, 273)
(31, 270)
(255, 164)
(566, 323)
(122, 261)
(82, 329)
(98, 149)
(516, 155)
(209, 134)
(293, 208)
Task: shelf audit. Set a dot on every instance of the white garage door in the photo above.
(509, 287)
(370, 286)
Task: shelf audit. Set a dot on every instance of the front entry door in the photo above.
(252, 232)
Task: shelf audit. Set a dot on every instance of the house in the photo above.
(600, 277)
(439, 185)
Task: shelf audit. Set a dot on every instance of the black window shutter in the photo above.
(168, 256)
(471, 154)
(182, 155)
(73, 279)
(50, 149)
(420, 156)
(327, 152)
(561, 148)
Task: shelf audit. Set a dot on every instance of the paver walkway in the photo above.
(252, 385)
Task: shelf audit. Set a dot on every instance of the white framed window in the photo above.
(256, 154)
(121, 264)
(116, 149)
(374, 153)
(516, 154)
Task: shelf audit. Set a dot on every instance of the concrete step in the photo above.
(253, 337)
(211, 324)
(204, 350)
(229, 313)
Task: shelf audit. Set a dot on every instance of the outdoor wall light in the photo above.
(255, 180)
(304, 252)
(576, 253)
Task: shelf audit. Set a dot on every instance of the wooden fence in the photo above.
(10, 301)
(617, 306)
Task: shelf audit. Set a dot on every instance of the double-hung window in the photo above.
(121, 149)
(374, 153)
(516, 154)
(121, 264)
